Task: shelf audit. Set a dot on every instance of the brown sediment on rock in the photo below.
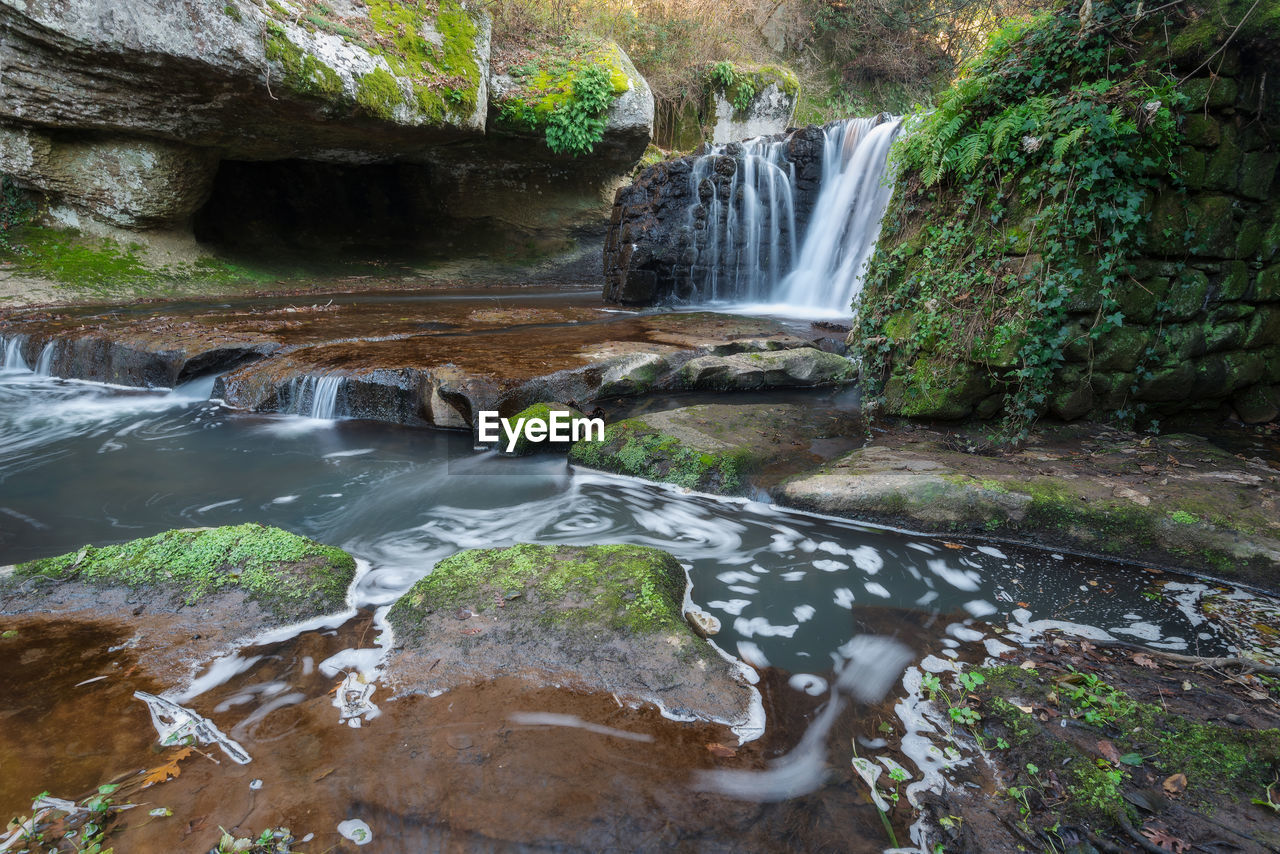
(434, 360)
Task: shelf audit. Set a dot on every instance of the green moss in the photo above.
(102, 266)
(634, 448)
(303, 73)
(451, 85)
(378, 94)
(291, 576)
(232, 12)
(1217, 760)
(1182, 517)
(545, 85)
(624, 588)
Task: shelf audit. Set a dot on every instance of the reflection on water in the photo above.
(801, 594)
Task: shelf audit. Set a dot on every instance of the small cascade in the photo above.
(315, 397)
(13, 360)
(44, 364)
(846, 218)
(743, 226)
(747, 213)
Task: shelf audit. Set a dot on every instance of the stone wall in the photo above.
(1201, 310)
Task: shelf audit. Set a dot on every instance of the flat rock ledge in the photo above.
(1177, 501)
(592, 618)
(187, 595)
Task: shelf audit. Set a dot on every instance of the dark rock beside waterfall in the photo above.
(659, 222)
(596, 618)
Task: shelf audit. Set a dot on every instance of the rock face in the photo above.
(121, 111)
(666, 226)
(599, 618)
(732, 449)
(1213, 516)
(798, 368)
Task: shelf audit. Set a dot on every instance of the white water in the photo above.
(315, 397)
(44, 365)
(750, 257)
(749, 232)
(13, 360)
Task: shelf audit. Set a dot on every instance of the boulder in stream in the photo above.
(596, 618)
(187, 594)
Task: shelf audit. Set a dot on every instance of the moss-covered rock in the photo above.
(289, 576)
(602, 618)
(629, 589)
(538, 412)
(634, 447)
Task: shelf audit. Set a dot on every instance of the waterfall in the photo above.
(743, 226)
(846, 218)
(315, 397)
(13, 360)
(747, 209)
(44, 365)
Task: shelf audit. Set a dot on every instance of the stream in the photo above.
(85, 463)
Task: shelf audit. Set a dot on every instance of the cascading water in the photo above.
(749, 216)
(316, 397)
(745, 224)
(846, 219)
(13, 360)
(44, 364)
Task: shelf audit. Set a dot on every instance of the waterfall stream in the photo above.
(316, 397)
(750, 253)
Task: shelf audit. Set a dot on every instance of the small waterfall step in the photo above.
(315, 396)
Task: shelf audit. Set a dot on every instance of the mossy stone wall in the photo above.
(1201, 310)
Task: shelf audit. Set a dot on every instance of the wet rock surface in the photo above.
(184, 596)
(594, 618)
(724, 448)
(1178, 500)
(433, 360)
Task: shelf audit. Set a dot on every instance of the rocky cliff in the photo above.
(122, 112)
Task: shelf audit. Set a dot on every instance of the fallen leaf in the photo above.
(1027, 665)
(1186, 686)
(953, 545)
(1161, 837)
(1109, 752)
(1143, 660)
(1024, 604)
(168, 769)
(1175, 784)
(720, 750)
(1131, 759)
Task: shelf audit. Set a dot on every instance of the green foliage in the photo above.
(1058, 131)
(576, 126)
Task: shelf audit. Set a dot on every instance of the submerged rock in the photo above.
(597, 618)
(186, 594)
